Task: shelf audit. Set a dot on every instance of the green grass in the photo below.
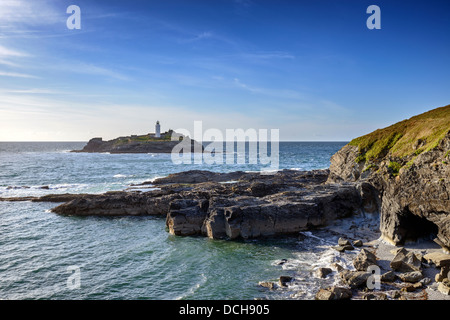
(395, 167)
(371, 166)
(408, 137)
(142, 139)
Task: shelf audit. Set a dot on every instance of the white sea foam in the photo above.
(194, 288)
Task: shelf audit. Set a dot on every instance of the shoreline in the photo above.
(359, 226)
(336, 263)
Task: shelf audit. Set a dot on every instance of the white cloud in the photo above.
(276, 93)
(17, 75)
(200, 36)
(7, 52)
(19, 13)
(88, 69)
(266, 55)
(97, 70)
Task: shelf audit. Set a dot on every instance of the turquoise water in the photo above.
(130, 257)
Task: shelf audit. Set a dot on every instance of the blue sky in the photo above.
(311, 69)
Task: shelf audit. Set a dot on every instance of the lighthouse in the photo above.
(157, 130)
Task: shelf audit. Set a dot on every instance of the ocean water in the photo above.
(135, 257)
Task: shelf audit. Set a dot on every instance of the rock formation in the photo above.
(405, 170)
(256, 205)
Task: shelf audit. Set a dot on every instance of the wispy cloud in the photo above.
(22, 13)
(37, 91)
(266, 55)
(8, 63)
(7, 52)
(17, 75)
(99, 71)
(7, 55)
(198, 37)
(88, 69)
(276, 93)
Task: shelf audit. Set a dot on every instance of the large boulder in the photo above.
(438, 258)
(364, 259)
(334, 293)
(355, 279)
(405, 261)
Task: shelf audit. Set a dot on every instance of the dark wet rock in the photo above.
(117, 204)
(65, 197)
(357, 243)
(322, 272)
(199, 176)
(334, 293)
(267, 284)
(186, 217)
(344, 242)
(348, 247)
(284, 280)
(281, 262)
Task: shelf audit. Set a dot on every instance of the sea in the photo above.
(47, 256)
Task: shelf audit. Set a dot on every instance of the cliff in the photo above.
(406, 166)
(139, 144)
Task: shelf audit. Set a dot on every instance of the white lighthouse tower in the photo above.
(157, 130)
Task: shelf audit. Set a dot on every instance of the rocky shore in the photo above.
(240, 205)
(399, 174)
(361, 266)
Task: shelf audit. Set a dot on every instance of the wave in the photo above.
(194, 288)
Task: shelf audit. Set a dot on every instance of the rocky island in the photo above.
(149, 143)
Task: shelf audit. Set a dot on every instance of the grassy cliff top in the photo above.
(408, 137)
(147, 138)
